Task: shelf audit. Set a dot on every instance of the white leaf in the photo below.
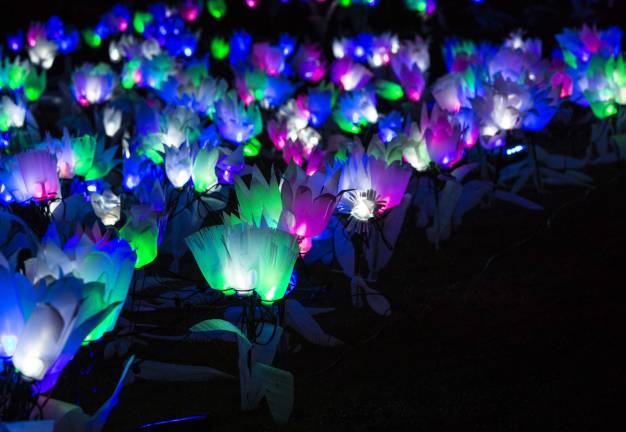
(298, 318)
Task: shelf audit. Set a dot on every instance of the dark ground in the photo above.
(517, 324)
(534, 341)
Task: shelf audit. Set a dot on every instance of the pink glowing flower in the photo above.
(308, 204)
(443, 137)
(268, 58)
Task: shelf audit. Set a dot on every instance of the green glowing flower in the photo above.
(261, 201)
(219, 48)
(217, 8)
(140, 20)
(92, 38)
(389, 90)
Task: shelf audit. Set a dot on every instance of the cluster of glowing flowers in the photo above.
(515, 65)
(409, 65)
(93, 84)
(349, 75)
(128, 47)
(235, 122)
(372, 186)
(43, 326)
(268, 91)
(579, 46)
(90, 256)
(382, 49)
(244, 259)
(12, 114)
(423, 7)
(501, 108)
(308, 203)
(115, 21)
(309, 64)
(152, 72)
(459, 54)
(442, 136)
(168, 27)
(355, 110)
(291, 134)
(595, 88)
(29, 175)
(82, 156)
(141, 231)
(200, 96)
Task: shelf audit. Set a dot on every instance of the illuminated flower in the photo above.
(308, 204)
(11, 114)
(203, 169)
(34, 85)
(349, 75)
(178, 124)
(82, 156)
(578, 46)
(91, 257)
(383, 48)
(269, 59)
(57, 319)
(31, 174)
(93, 84)
(354, 110)
(178, 165)
(309, 64)
(500, 109)
(261, 201)
(443, 137)
(42, 52)
(107, 206)
(142, 233)
(235, 122)
(372, 186)
(112, 120)
(245, 258)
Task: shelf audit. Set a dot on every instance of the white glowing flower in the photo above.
(112, 119)
(107, 207)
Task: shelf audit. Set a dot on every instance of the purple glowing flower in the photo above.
(309, 64)
(268, 58)
(31, 175)
(93, 84)
(442, 136)
(349, 75)
(235, 122)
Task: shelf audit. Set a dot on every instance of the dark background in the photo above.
(517, 324)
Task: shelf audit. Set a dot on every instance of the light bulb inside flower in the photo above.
(31, 367)
(364, 207)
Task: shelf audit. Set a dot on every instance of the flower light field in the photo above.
(313, 215)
